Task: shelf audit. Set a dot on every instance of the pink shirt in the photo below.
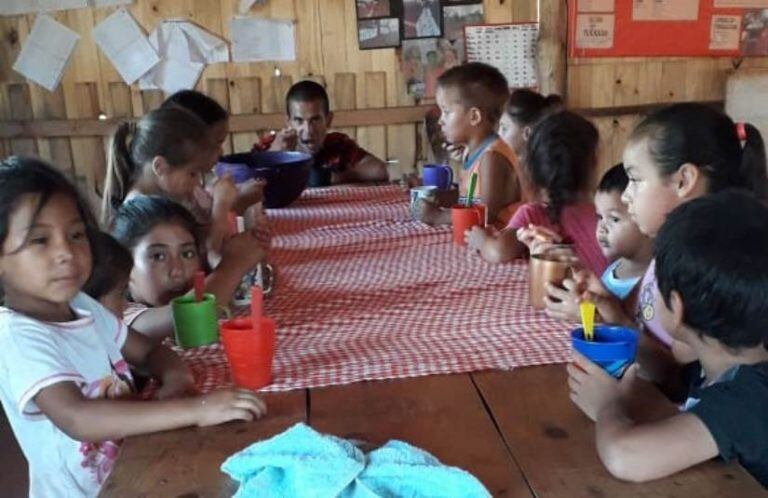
(577, 226)
(646, 306)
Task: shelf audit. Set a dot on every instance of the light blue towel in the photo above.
(301, 463)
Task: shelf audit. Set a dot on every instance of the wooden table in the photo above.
(516, 431)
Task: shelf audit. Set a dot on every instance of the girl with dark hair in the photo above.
(65, 382)
(560, 159)
(163, 239)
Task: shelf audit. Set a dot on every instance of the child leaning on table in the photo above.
(623, 244)
(65, 384)
(471, 99)
(162, 237)
(562, 152)
(108, 283)
(713, 296)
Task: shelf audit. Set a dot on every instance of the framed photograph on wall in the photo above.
(367, 9)
(422, 19)
(378, 33)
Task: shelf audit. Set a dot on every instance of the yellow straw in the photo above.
(587, 310)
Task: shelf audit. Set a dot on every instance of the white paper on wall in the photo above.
(16, 7)
(124, 44)
(184, 49)
(46, 51)
(255, 39)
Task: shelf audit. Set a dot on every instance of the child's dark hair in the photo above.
(115, 265)
(171, 132)
(560, 156)
(707, 138)
(478, 85)
(713, 251)
(137, 217)
(200, 104)
(614, 180)
(526, 107)
(20, 176)
(307, 91)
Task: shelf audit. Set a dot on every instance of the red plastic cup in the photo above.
(464, 218)
(249, 350)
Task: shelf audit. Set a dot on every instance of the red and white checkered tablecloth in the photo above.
(364, 293)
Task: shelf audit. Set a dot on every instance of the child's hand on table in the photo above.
(285, 139)
(475, 237)
(428, 212)
(592, 389)
(225, 405)
(537, 238)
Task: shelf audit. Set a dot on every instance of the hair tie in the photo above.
(741, 131)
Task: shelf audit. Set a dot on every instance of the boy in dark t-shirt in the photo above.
(711, 259)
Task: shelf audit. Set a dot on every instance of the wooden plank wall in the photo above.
(605, 83)
(327, 52)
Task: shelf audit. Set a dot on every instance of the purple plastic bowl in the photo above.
(286, 173)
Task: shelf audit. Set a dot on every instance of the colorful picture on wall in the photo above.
(378, 33)
(423, 61)
(367, 9)
(754, 37)
(422, 19)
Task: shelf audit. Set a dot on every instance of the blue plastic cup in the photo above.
(613, 347)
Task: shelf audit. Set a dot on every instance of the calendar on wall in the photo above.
(509, 47)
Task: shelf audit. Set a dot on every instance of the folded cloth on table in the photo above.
(302, 463)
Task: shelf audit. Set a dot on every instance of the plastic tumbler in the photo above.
(249, 350)
(464, 218)
(613, 347)
(195, 323)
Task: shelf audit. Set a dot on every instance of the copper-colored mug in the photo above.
(552, 266)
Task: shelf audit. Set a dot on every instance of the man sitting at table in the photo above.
(338, 158)
(712, 273)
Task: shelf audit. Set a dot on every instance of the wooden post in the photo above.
(552, 56)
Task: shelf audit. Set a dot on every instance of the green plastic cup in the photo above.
(195, 323)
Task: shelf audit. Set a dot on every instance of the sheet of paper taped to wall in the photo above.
(46, 52)
(124, 44)
(255, 39)
(17, 7)
(184, 49)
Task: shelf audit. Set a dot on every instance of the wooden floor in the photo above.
(516, 431)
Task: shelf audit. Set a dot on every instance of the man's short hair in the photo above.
(713, 251)
(307, 91)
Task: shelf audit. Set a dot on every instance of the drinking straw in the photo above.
(199, 282)
(471, 190)
(587, 310)
(257, 300)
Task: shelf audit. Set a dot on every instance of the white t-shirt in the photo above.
(35, 355)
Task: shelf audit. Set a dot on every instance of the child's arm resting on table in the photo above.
(94, 420)
(631, 451)
(495, 248)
